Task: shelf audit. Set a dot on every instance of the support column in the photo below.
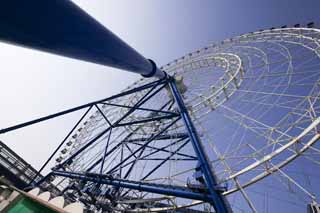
(219, 202)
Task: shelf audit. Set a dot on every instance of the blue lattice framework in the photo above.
(212, 194)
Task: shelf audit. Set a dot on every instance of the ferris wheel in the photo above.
(254, 100)
(244, 112)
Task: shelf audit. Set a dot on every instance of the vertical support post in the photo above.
(218, 201)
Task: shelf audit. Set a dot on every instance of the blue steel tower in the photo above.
(65, 29)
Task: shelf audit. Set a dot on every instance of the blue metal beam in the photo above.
(163, 149)
(150, 119)
(141, 108)
(136, 185)
(144, 145)
(132, 163)
(171, 159)
(215, 196)
(165, 160)
(218, 201)
(161, 137)
(60, 145)
(105, 152)
(58, 114)
(142, 100)
(126, 139)
(104, 116)
(61, 27)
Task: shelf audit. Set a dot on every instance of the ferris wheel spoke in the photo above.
(317, 162)
(287, 177)
(284, 74)
(272, 94)
(244, 194)
(278, 105)
(282, 199)
(282, 147)
(259, 124)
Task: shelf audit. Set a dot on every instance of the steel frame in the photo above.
(214, 195)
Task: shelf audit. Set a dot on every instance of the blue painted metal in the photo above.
(141, 108)
(161, 137)
(219, 202)
(156, 151)
(105, 152)
(165, 160)
(163, 149)
(124, 141)
(133, 163)
(145, 144)
(151, 119)
(61, 27)
(100, 159)
(214, 197)
(173, 159)
(136, 185)
(45, 118)
(104, 116)
(142, 100)
(60, 145)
